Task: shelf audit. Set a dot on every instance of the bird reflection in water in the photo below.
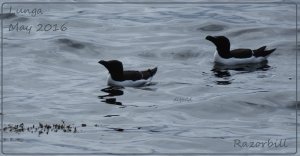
(110, 97)
(222, 71)
(224, 75)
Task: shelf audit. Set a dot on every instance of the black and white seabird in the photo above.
(128, 78)
(225, 56)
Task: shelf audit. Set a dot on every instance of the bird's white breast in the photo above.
(236, 61)
(128, 83)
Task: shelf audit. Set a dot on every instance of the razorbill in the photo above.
(128, 78)
(225, 56)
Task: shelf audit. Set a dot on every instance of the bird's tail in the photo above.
(262, 52)
(149, 73)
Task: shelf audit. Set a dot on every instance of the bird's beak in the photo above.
(210, 38)
(102, 62)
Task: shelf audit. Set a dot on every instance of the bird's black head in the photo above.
(222, 44)
(114, 67)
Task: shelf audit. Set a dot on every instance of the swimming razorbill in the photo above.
(128, 78)
(225, 56)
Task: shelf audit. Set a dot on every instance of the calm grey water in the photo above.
(53, 76)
